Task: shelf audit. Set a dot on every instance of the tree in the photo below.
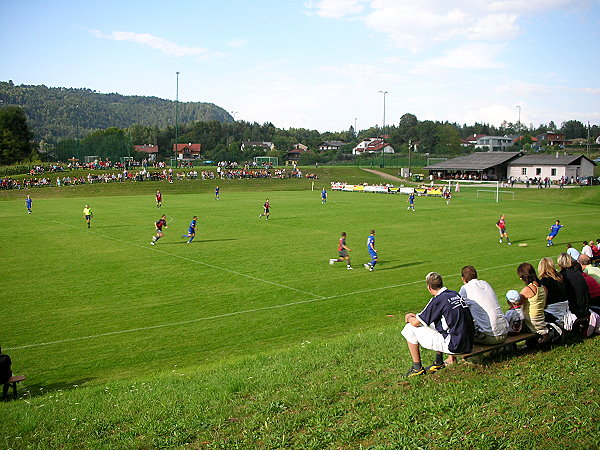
(408, 128)
(15, 136)
(111, 143)
(574, 129)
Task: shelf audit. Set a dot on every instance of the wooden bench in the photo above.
(480, 349)
(13, 381)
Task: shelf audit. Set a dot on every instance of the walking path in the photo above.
(387, 176)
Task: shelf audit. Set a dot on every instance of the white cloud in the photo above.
(469, 56)
(418, 25)
(237, 43)
(155, 42)
(524, 89)
(336, 9)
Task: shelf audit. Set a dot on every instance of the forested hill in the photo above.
(58, 113)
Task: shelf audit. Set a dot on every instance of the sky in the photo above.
(320, 64)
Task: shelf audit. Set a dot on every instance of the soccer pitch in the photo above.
(87, 306)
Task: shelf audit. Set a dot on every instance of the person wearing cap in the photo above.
(490, 324)
(514, 316)
(445, 325)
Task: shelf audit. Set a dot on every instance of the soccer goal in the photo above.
(435, 160)
(487, 193)
(270, 160)
(495, 185)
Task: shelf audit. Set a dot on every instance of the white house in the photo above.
(372, 145)
(494, 143)
(551, 166)
(330, 145)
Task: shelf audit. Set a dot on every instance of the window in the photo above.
(538, 171)
(524, 171)
(553, 172)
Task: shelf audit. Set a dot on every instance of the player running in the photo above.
(323, 196)
(158, 199)
(159, 224)
(343, 250)
(554, 229)
(411, 201)
(217, 193)
(28, 203)
(88, 214)
(372, 252)
(191, 230)
(266, 210)
(501, 225)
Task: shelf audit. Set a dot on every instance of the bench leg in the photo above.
(14, 386)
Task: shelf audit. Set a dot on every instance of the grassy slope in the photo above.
(322, 393)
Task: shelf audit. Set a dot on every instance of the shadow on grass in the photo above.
(198, 241)
(39, 389)
(400, 266)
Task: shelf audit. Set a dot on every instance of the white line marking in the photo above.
(185, 258)
(237, 313)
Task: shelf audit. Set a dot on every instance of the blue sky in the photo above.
(320, 64)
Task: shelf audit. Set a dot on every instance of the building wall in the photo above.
(585, 170)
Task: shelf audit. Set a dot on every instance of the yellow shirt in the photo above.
(87, 212)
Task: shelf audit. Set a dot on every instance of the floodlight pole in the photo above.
(383, 130)
(176, 116)
(519, 122)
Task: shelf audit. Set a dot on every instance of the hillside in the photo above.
(59, 113)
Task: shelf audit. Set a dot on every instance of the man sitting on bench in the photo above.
(5, 373)
(445, 325)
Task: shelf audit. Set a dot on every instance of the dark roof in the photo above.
(475, 161)
(560, 160)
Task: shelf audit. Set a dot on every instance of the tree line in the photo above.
(109, 125)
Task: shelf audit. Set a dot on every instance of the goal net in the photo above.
(270, 160)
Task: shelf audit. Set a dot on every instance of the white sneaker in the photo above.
(367, 266)
(152, 243)
(349, 267)
(510, 243)
(331, 261)
(500, 241)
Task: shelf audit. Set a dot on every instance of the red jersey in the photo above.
(160, 223)
(501, 223)
(266, 206)
(342, 244)
(158, 197)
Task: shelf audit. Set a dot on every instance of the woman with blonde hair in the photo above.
(557, 305)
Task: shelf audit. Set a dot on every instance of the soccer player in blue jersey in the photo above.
(411, 201)
(28, 203)
(217, 193)
(554, 229)
(191, 230)
(323, 196)
(372, 252)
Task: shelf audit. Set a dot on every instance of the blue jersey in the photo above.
(324, 193)
(216, 191)
(192, 228)
(554, 229)
(371, 244)
(411, 198)
(28, 203)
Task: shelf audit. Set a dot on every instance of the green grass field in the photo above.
(86, 311)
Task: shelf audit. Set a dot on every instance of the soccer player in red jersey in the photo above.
(266, 208)
(159, 225)
(343, 250)
(158, 199)
(501, 225)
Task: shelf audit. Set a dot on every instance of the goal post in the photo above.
(480, 193)
(271, 160)
(495, 185)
